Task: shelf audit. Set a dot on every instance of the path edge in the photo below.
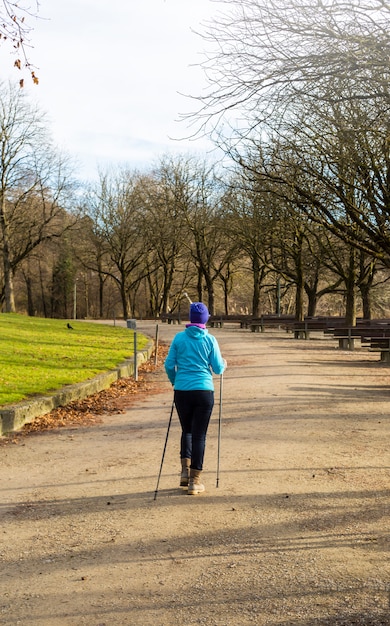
(14, 416)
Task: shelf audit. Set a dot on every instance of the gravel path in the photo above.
(297, 533)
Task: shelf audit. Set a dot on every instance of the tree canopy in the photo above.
(300, 88)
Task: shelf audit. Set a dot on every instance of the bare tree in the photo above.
(263, 54)
(310, 77)
(115, 208)
(35, 185)
(249, 223)
(164, 194)
(183, 224)
(208, 246)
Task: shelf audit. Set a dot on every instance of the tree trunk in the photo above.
(9, 298)
(350, 305)
(367, 274)
(225, 282)
(125, 304)
(101, 296)
(299, 299)
(312, 296)
(211, 295)
(199, 285)
(365, 291)
(256, 287)
(41, 281)
(30, 299)
(350, 295)
(300, 288)
(168, 280)
(9, 289)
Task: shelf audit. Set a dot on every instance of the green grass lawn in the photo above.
(42, 355)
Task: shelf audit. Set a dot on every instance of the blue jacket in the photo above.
(193, 355)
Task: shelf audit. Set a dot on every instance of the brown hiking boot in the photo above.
(185, 472)
(195, 486)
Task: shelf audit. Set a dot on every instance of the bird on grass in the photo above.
(69, 326)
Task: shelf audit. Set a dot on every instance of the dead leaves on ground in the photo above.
(116, 399)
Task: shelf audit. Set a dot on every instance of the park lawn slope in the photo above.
(38, 356)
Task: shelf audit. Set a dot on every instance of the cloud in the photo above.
(111, 74)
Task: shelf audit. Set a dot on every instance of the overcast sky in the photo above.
(110, 73)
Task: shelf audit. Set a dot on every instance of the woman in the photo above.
(193, 355)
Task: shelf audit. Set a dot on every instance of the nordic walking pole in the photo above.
(219, 426)
(165, 447)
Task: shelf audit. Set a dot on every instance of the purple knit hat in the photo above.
(199, 313)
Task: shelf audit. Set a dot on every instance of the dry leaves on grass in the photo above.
(116, 399)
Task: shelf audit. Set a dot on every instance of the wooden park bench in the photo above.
(381, 345)
(364, 330)
(259, 324)
(346, 335)
(217, 321)
(303, 329)
(170, 318)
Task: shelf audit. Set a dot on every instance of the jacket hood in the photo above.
(195, 332)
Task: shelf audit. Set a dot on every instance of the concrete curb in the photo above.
(14, 416)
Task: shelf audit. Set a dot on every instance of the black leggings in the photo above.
(194, 409)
